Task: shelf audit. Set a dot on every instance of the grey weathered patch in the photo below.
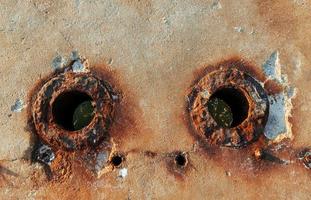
(272, 67)
(18, 106)
(74, 55)
(59, 62)
(216, 5)
(78, 66)
(276, 121)
(278, 126)
(101, 161)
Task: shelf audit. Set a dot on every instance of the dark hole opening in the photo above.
(73, 110)
(181, 160)
(229, 107)
(116, 160)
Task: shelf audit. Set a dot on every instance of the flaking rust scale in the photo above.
(305, 157)
(242, 91)
(241, 147)
(59, 145)
(146, 54)
(246, 98)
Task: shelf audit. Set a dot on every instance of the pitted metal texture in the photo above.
(239, 85)
(92, 134)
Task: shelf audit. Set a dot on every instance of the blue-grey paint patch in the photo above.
(18, 106)
(278, 126)
(101, 161)
(272, 68)
(78, 66)
(276, 123)
(58, 62)
(74, 55)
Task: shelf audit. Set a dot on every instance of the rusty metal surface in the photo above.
(148, 56)
(256, 102)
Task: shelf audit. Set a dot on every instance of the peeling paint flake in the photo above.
(278, 126)
(74, 55)
(101, 160)
(78, 66)
(18, 106)
(59, 62)
(272, 67)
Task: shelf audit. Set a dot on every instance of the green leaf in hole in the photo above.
(220, 111)
(83, 115)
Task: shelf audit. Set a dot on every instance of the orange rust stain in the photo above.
(243, 162)
(247, 130)
(150, 154)
(127, 117)
(232, 61)
(126, 124)
(61, 167)
(273, 87)
(179, 172)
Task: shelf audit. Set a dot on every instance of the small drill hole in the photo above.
(116, 160)
(73, 110)
(228, 107)
(180, 160)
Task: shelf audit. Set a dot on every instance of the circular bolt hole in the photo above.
(73, 110)
(181, 159)
(116, 160)
(228, 107)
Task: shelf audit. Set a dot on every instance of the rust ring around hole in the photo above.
(78, 85)
(246, 98)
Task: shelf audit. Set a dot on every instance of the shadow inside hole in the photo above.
(237, 105)
(180, 160)
(116, 160)
(73, 110)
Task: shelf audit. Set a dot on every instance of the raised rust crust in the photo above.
(91, 135)
(244, 133)
(305, 157)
